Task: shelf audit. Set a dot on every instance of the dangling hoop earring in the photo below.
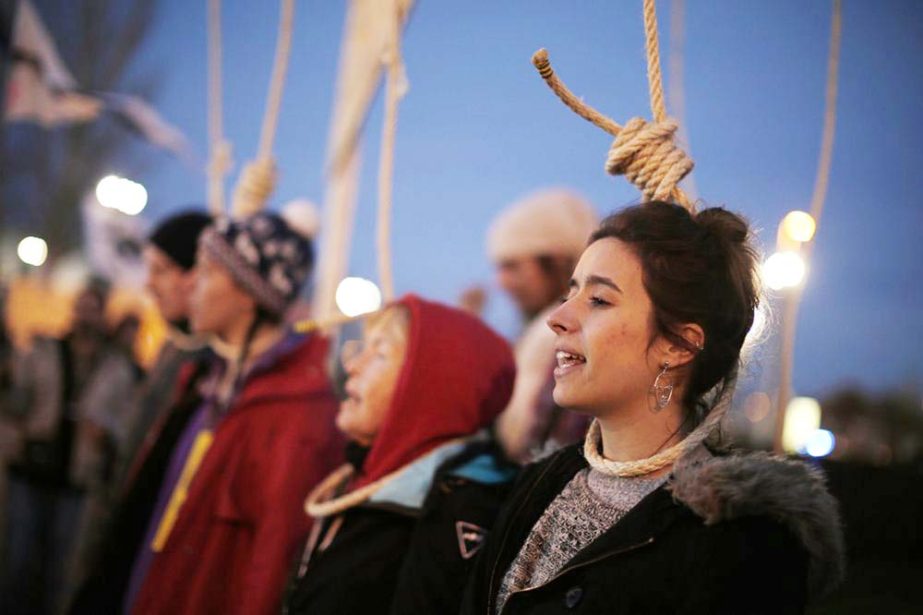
(663, 391)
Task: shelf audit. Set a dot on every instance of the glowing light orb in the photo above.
(802, 420)
(32, 251)
(820, 443)
(784, 270)
(124, 195)
(799, 226)
(357, 296)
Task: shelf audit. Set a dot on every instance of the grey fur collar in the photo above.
(790, 491)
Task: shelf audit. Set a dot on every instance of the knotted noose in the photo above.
(258, 178)
(644, 152)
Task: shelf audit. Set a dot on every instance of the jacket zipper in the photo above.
(568, 569)
(506, 534)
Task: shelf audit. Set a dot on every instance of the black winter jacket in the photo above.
(740, 534)
(388, 557)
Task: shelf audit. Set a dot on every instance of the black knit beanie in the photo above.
(178, 236)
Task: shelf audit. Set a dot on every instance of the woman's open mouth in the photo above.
(567, 362)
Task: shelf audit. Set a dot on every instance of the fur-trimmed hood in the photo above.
(721, 488)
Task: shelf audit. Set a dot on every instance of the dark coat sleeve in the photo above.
(746, 566)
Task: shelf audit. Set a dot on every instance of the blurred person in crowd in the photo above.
(229, 514)
(396, 527)
(124, 338)
(649, 515)
(70, 397)
(165, 402)
(534, 245)
(6, 352)
(8, 431)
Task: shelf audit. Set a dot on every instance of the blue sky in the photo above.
(478, 128)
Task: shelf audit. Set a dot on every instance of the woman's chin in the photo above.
(343, 423)
(565, 397)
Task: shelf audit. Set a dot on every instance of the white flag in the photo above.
(39, 86)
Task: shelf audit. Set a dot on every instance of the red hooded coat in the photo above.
(457, 377)
(243, 519)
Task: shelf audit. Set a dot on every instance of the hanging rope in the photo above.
(314, 324)
(258, 179)
(821, 181)
(644, 152)
(220, 155)
(395, 89)
(676, 93)
(826, 149)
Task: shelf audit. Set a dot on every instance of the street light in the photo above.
(820, 443)
(124, 195)
(784, 270)
(798, 226)
(356, 296)
(802, 420)
(32, 251)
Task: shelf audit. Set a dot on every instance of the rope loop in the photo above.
(646, 154)
(257, 182)
(592, 445)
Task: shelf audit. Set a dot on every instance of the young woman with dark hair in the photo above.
(648, 516)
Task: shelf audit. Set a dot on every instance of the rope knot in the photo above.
(257, 181)
(645, 153)
(220, 162)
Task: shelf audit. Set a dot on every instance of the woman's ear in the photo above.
(679, 354)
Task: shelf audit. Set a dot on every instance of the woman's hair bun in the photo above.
(727, 227)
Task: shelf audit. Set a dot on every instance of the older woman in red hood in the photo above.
(396, 527)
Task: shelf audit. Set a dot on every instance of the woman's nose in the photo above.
(561, 319)
(351, 355)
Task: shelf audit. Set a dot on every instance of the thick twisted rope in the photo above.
(323, 324)
(821, 181)
(652, 45)
(395, 89)
(645, 152)
(826, 149)
(220, 156)
(258, 179)
(676, 93)
(323, 501)
(592, 445)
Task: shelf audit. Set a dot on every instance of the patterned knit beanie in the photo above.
(265, 257)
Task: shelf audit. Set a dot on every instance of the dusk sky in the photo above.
(479, 128)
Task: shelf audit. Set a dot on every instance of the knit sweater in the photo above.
(590, 504)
